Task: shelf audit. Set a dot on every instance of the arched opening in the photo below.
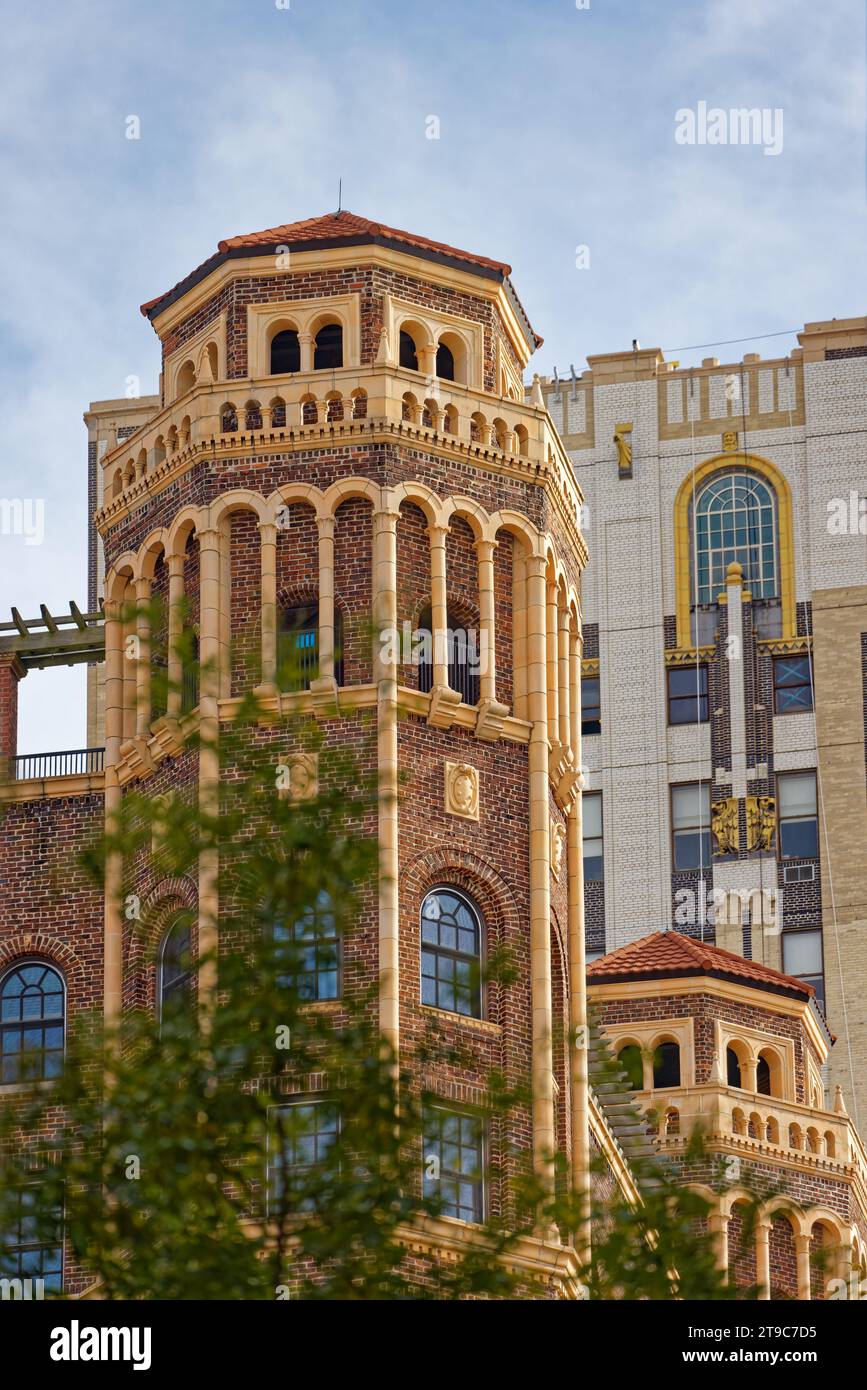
(763, 1077)
(445, 362)
(666, 1065)
(451, 953)
(328, 349)
(175, 969)
(285, 352)
(733, 1069)
(464, 659)
(632, 1063)
(298, 646)
(407, 351)
(186, 378)
(769, 1074)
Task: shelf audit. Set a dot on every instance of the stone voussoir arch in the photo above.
(42, 945)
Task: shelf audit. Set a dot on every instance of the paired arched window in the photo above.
(285, 352)
(632, 1063)
(408, 353)
(451, 953)
(445, 363)
(328, 347)
(176, 967)
(733, 1069)
(311, 948)
(464, 657)
(735, 519)
(298, 646)
(32, 1023)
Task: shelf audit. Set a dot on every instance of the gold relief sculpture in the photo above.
(298, 777)
(623, 440)
(730, 442)
(462, 790)
(761, 822)
(724, 825)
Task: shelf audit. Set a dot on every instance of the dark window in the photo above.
(285, 352)
(32, 1021)
(445, 363)
(793, 686)
(408, 354)
(451, 953)
(733, 1068)
(802, 957)
(312, 949)
(797, 816)
(763, 1077)
(328, 352)
(591, 713)
(632, 1063)
(591, 816)
(453, 1163)
(666, 1065)
(190, 673)
(176, 968)
(690, 823)
(302, 1137)
(463, 658)
(298, 646)
(32, 1245)
(687, 695)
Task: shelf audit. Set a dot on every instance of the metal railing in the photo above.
(74, 762)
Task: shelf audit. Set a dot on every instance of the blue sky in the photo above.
(556, 130)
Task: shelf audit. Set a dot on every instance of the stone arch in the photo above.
(165, 900)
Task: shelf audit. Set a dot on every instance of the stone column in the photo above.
(802, 1253)
(575, 644)
(564, 675)
(385, 675)
(130, 666)
(718, 1224)
(305, 343)
(540, 870)
(438, 609)
(579, 1040)
(268, 558)
(519, 633)
(209, 758)
(175, 672)
(487, 621)
(763, 1258)
(552, 663)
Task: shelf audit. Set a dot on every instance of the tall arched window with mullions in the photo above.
(32, 1023)
(735, 520)
(452, 943)
(176, 968)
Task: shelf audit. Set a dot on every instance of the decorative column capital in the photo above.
(268, 532)
(325, 527)
(485, 548)
(175, 563)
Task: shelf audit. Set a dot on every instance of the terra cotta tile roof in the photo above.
(668, 955)
(330, 228)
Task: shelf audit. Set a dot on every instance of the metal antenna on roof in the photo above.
(340, 196)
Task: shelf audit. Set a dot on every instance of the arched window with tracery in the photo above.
(32, 1023)
(735, 520)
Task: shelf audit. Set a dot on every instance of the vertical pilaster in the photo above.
(143, 667)
(540, 868)
(175, 630)
(210, 551)
(519, 632)
(385, 675)
(552, 662)
(564, 676)
(438, 605)
(325, 525)
(488, 675)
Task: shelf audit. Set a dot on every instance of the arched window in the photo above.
(298, 646)
(733, 1068)
(735, 519)
(176, 967)
(666, 1065)
(189, 671)
(445, 363)
(32, 1023)
(186, 379)
(632, 1063)
(285, 352)
(451, 953)
(763, 1077)
(408, 351)
(328, 351)
(464, 658)
(311, 947)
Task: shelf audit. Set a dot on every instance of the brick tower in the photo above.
(342, 436)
